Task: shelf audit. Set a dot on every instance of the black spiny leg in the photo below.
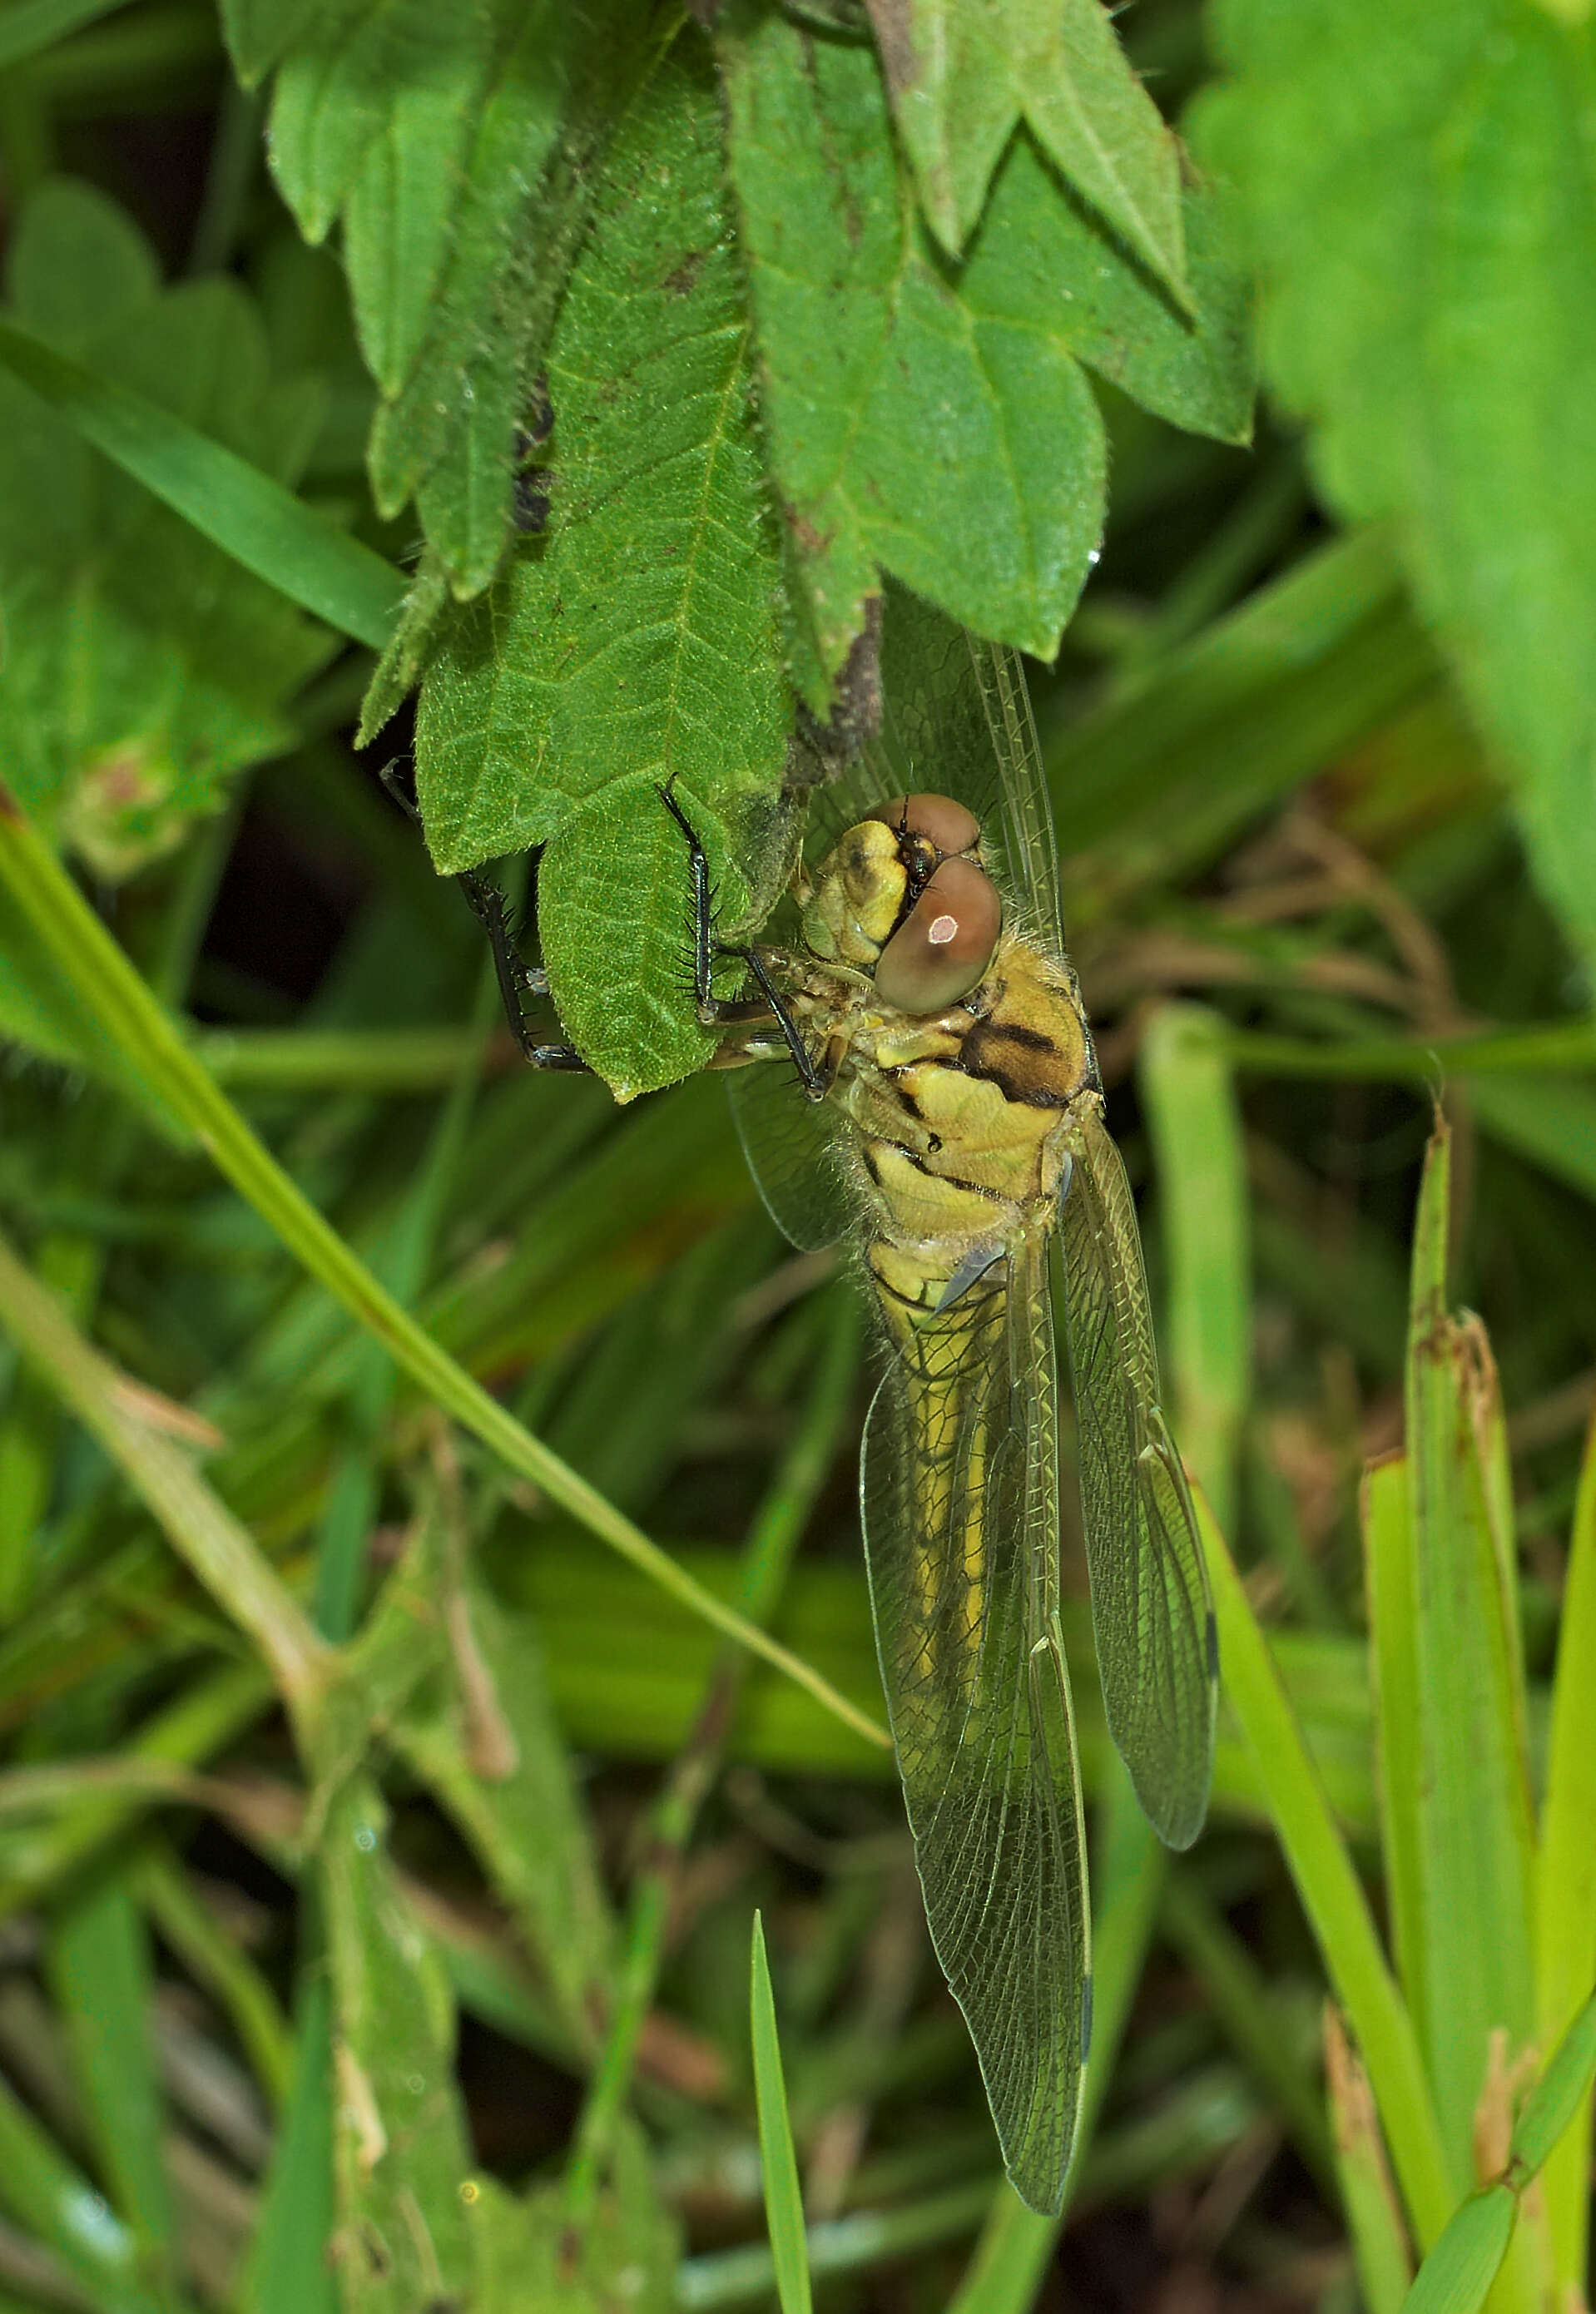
(517, 977)
(723, 1012)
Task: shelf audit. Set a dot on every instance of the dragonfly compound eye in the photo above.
(942, 823)
(945, 943)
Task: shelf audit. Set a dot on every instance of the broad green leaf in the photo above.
(401, 2151)
(638, 639)
(143, 665)
(259, 32)
(962, 73)
(457, 145)
(783, 2196)
(922, 416)
(1195, 1122)
(1418, 185)
(1473, 1815)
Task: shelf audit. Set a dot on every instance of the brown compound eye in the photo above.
(945, 943)
(945, 824)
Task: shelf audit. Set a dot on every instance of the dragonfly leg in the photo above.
(723, 1012)
(517, 978)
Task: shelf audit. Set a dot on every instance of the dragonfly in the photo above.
(913, 1073)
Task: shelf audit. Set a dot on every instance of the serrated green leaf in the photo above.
(927, 417)
(906, 428)
(636, 640)
(1419, 186)
(962, 75)
(257, 32)
(144, 664)
(458, 146)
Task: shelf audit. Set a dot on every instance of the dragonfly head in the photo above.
(904, 898)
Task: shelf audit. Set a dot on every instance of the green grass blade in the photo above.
(1374, 2212)
(1565, 1891)
(1473, 1813)
(97, 969)
(244, 511)
(100, 1968)
(1464, 2263)
(1237, 1995)
(217, 1961)
(57, 2204)
(287, 2271)
(1458, 2272)
(783, 2197)
(1331, 1895)
(1393, 1658)
(197, 1522)
(28, 25)
(1554, 2101)
(1190, 1096)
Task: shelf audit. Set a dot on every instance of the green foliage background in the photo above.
(384, 1810)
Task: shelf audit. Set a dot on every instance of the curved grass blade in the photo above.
(783, 2199)
(246, 513)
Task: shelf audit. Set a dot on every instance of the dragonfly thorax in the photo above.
(904, 898)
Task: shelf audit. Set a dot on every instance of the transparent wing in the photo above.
(936, 735)
(1150, 1611)
(1030, 854)
(959, 1487)
(955, 721)
(791, 1144)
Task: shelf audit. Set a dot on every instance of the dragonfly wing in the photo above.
(959, 1486)
(1151, 1609)
(1029, 850)
(791, 1146)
